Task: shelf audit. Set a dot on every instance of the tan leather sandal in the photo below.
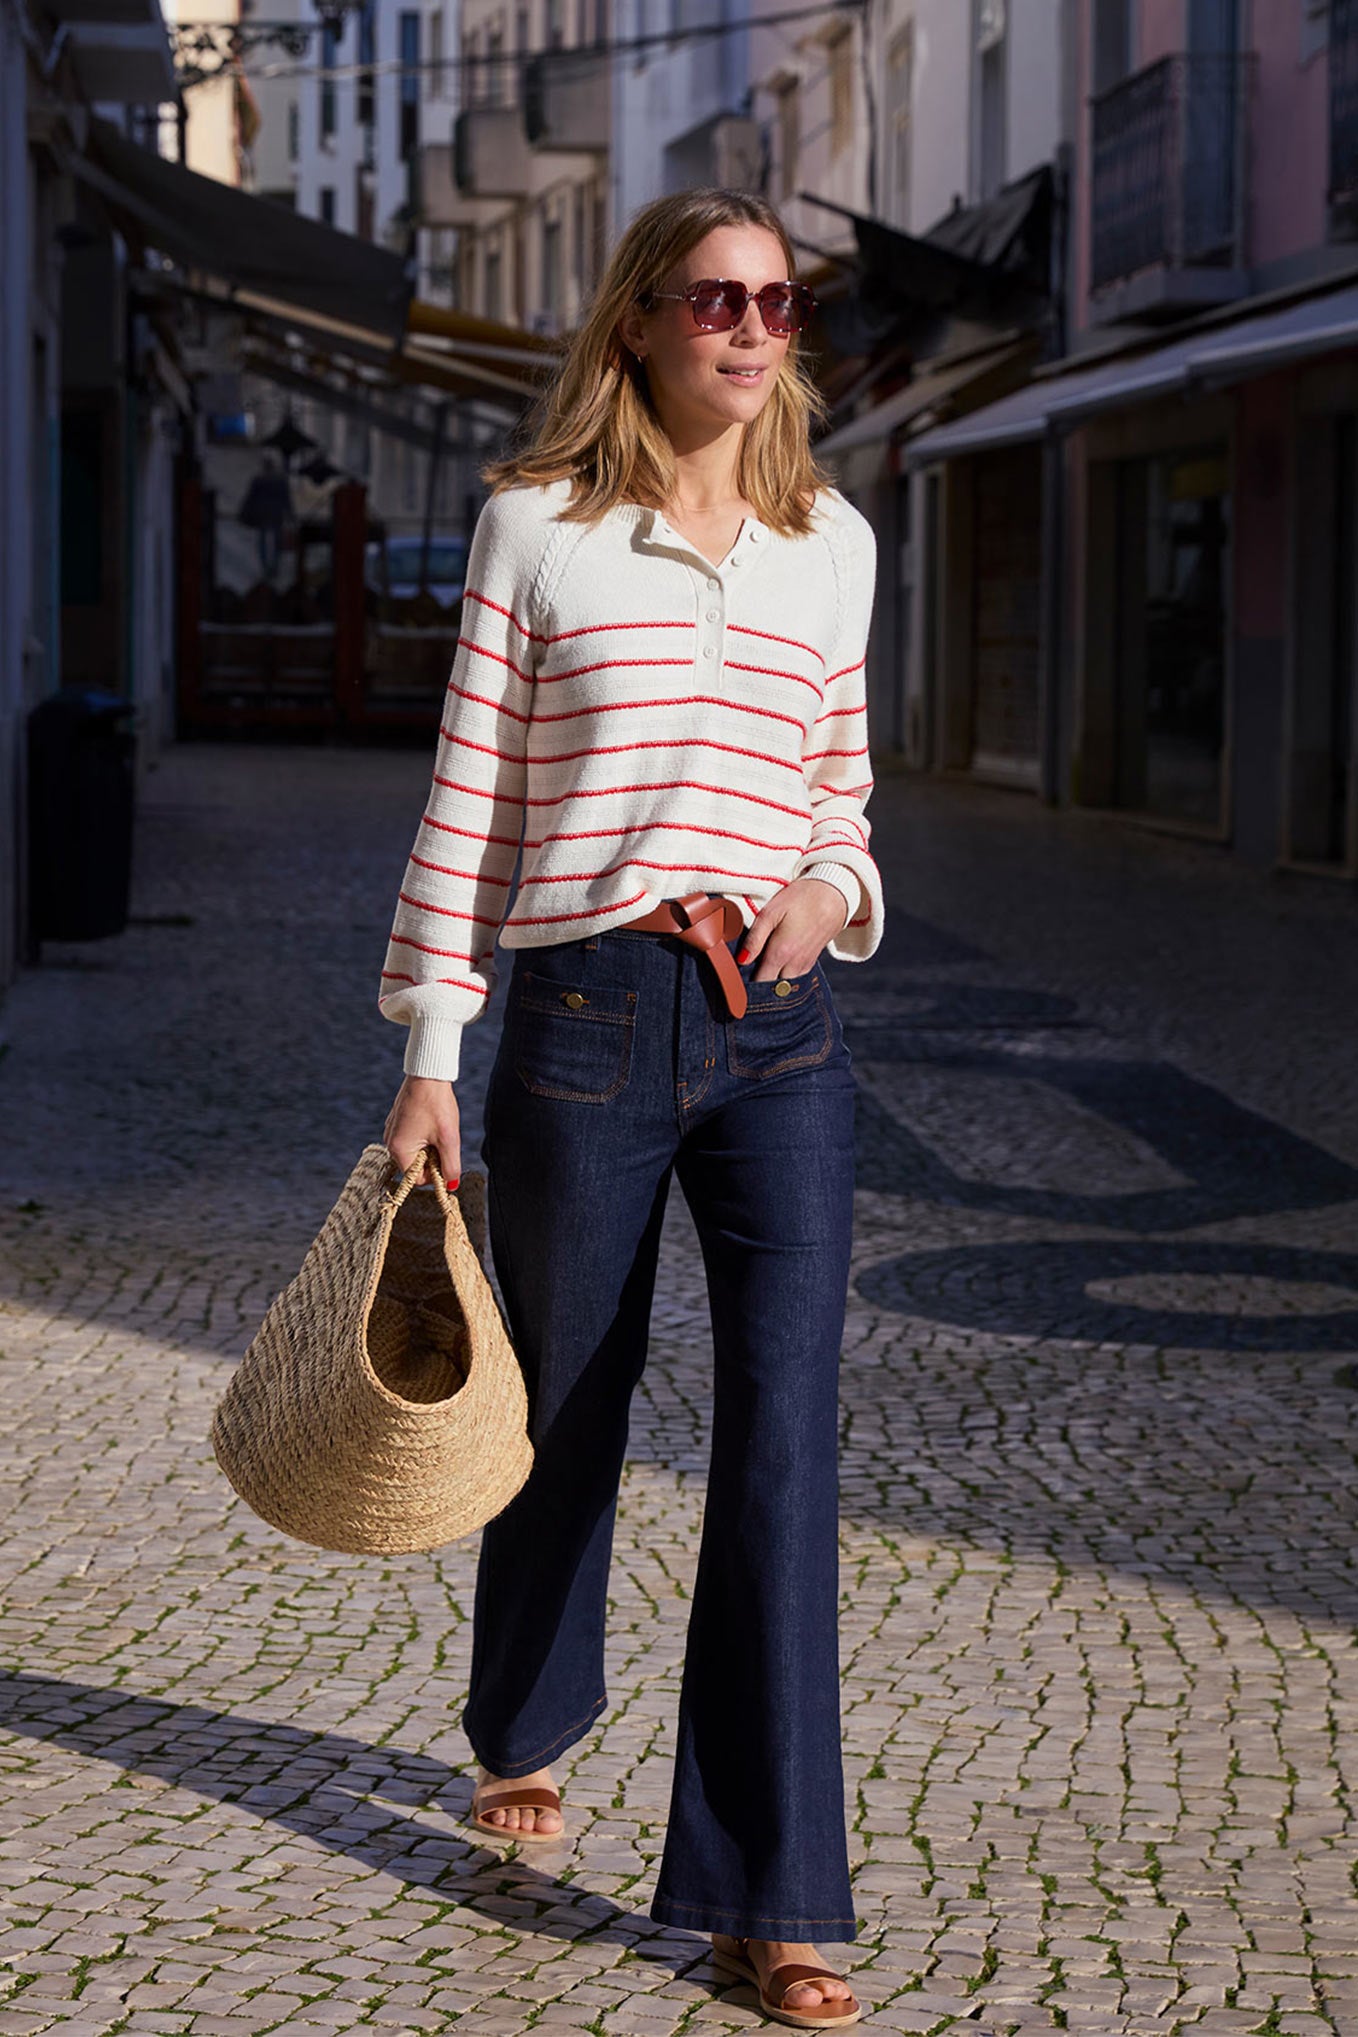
(535, 1797)
(773, 1991)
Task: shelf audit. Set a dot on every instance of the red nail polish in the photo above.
(453, 1184)
(743, 955)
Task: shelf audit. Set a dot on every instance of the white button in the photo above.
(709, 652)
(712, 586)
(714, 615)
(733, 561)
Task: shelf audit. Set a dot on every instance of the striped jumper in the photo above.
(627, 723)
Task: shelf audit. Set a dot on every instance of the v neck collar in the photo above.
(656, 530)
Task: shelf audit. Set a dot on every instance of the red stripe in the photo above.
(394, 976)
(482, 919)
(680, 700)
(472, 594)
(810, 756)
(611, 665)
(669, 743)
(446, 870)
(772, 672)
(684, 827)
(485, 749)
(641, 863)
(455, 785)
(588, 629)
(483, 701)
(543, 919)
(848, 669)
(472, 834)
(453, 954)
(466, 644)
(665, 785)
(837, 712)
(845, 820)
(770, 637)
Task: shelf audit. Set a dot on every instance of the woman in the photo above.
(660, 689)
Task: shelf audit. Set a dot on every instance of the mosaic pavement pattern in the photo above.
(1100, 1409)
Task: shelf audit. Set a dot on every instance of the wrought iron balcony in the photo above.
(1167, 200)
(1344, 111)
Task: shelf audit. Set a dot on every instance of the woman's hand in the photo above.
(790, 931)
(425, 1113)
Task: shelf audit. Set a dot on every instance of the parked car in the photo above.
(394, 566)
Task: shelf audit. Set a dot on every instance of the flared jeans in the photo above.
(618, 1068)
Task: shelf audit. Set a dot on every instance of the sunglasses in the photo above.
(719, 305)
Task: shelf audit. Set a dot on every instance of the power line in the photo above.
(231, 43)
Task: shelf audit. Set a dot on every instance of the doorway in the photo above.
(1174, 532)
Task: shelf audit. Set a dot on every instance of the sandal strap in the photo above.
(790, 1974)
(514, 1799)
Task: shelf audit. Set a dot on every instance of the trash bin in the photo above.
(81, 780)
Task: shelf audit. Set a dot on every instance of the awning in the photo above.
(987, 262)
(253, 242)
(935, 387)
(472, 369)
(1212, 356)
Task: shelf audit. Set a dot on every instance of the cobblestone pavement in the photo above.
(1100, 1679)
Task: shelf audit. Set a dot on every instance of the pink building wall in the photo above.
(1287, 112)
(1289, 117)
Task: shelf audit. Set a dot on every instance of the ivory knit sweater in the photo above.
(637, 723)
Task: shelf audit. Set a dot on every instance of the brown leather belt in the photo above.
(707, 924)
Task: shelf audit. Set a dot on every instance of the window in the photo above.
(495, 306)
(495, 70)
(521, 31)
(601, 20)
(840, 56)
(327, 203)
(992, 127)
(294, 130)
(900, 82)
(330, 42)
(437, 78)
(367, 56)
(1112, 43)
(556, 24)
(551, 273)
(789, 92)
(410, 84)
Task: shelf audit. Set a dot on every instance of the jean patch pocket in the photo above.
(572, 1040)
(783, 1028)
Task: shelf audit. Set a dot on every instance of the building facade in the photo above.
(1192, 460)
(88, 402)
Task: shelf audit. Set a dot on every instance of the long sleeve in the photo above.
(835, 753)
(440, 966)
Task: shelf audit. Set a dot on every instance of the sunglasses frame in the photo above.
(808, 298)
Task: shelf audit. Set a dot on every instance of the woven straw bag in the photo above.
(380, 1408)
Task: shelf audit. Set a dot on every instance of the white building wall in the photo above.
(661, 95)
(1035, 83)
(940, 122)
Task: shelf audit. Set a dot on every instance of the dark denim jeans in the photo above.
(617, 1068)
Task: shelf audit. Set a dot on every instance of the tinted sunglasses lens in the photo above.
(786, 307)
(719, 306)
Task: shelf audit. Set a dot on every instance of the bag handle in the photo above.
(399, 1185)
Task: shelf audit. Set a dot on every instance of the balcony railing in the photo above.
(1167, 185)
(1344, 104)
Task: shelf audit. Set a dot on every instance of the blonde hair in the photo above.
(596, 425)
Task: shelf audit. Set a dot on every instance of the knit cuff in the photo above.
(844, 881)
(434, 1048)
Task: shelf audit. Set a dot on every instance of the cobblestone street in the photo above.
(1100, 1415)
